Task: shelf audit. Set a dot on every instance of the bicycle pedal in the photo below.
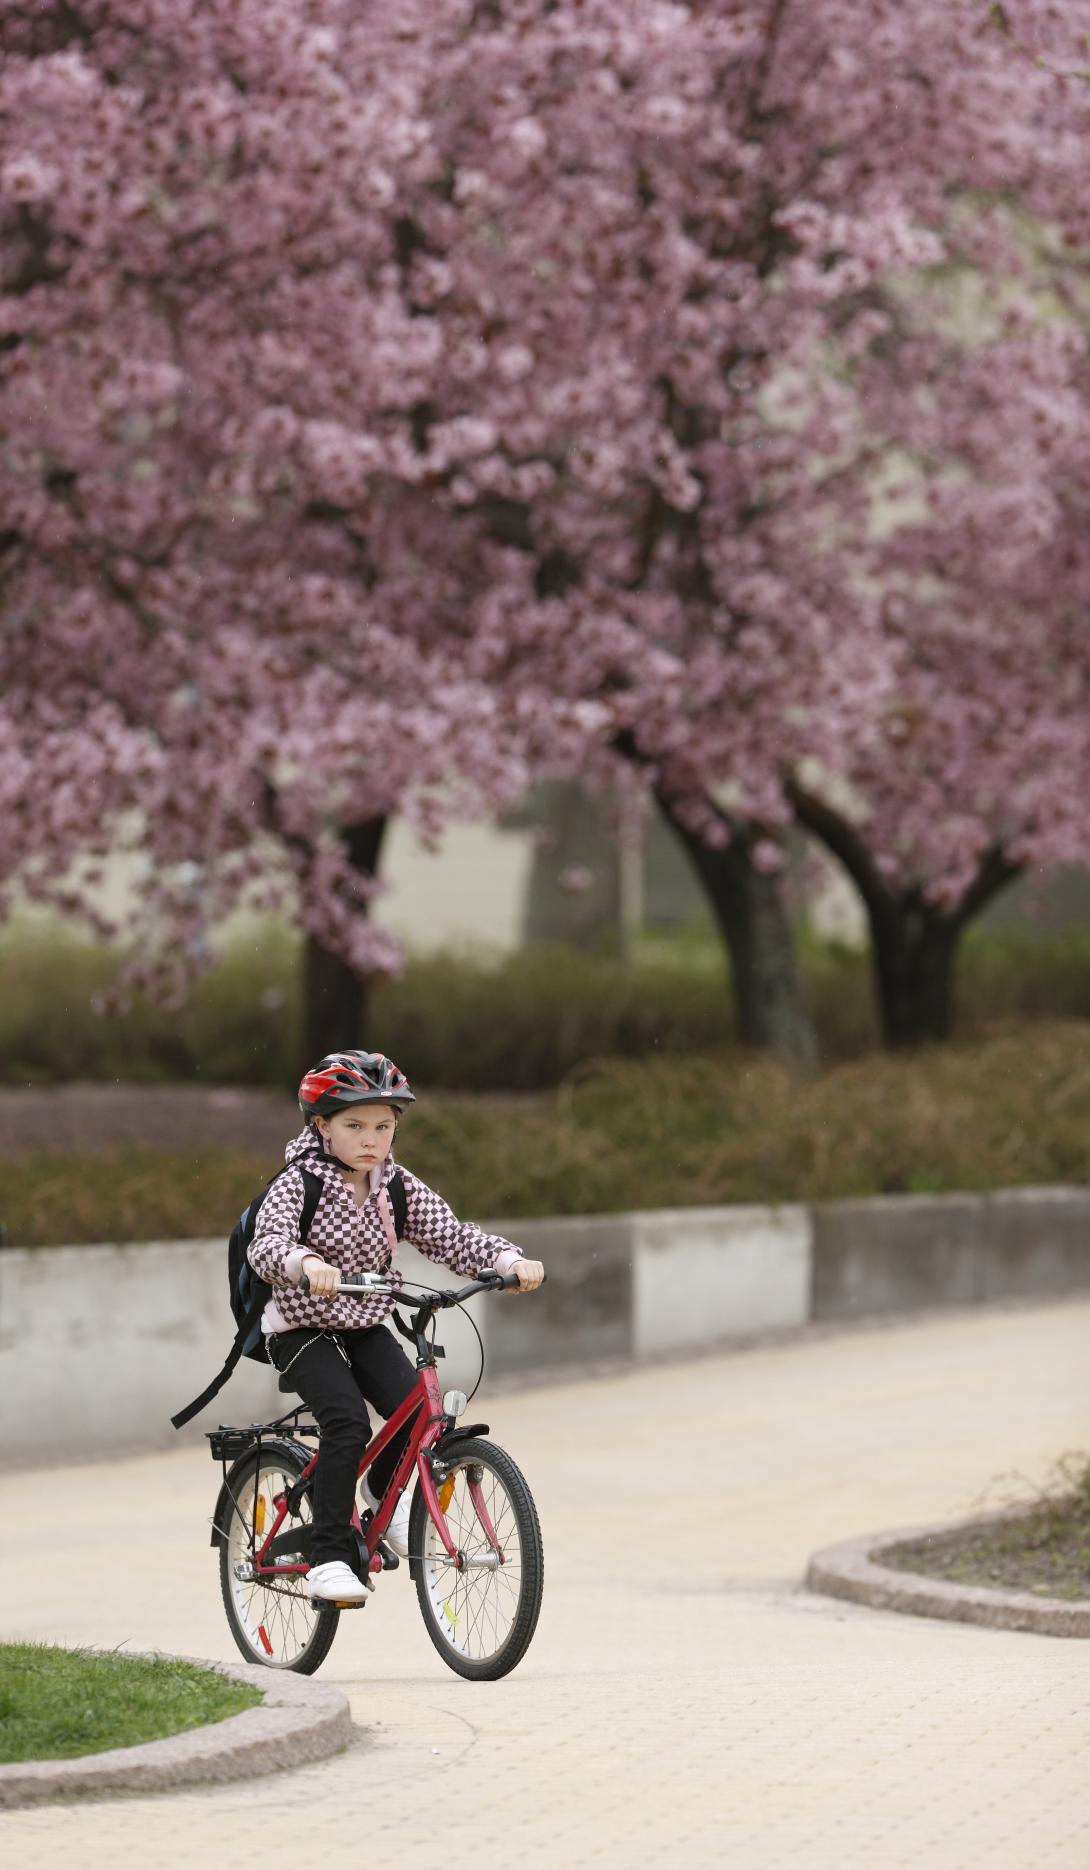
(390, 1559)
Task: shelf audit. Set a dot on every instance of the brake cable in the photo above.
(419, 1284)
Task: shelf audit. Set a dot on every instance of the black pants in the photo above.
(374, 1368)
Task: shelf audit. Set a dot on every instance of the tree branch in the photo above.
(996, 871)
(846, 843)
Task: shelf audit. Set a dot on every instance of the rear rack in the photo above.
(228, 1444)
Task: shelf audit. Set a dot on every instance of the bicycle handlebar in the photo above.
(431, 1301)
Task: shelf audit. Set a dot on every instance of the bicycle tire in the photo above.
(298, 1635)
(466, 1611)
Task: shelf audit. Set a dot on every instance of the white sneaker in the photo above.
(336, 1582)
(397, 1532)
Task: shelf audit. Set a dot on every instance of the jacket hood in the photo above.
(309, 1142)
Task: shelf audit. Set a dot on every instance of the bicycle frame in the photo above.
(425, 1401)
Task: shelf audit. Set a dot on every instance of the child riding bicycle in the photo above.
(335, 1348)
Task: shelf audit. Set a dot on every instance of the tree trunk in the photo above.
(334, 1003)
(914, 943)
(335, 996)
(914, 954)
(770, 1006)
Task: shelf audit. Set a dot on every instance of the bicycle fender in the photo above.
(221, 1516)
(454, 1435)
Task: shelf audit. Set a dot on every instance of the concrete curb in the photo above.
(298, 1722)
(853, 1570)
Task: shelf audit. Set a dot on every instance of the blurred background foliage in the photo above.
(611, 1084)
(1004, 1111)
(473, 1021)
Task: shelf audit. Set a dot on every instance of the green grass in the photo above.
(58, 1704)
(1006, 1110)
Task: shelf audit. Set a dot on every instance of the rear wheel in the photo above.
(480, 1617)
(272, 1622)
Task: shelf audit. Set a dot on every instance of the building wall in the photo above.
(472, 891)
(553, 871)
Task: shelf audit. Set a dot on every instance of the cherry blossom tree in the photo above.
(974, 766)
(399, 402)
(227, 591)
(786, 256)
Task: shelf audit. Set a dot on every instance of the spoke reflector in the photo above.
(262, 1632)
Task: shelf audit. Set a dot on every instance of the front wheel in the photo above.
(272, 1620)
(480, 1618)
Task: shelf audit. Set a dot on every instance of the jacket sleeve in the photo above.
(276, 1252)
(434, 1227)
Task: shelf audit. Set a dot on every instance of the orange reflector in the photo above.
(445, 1492)
(263, 1633)
(259, 1514)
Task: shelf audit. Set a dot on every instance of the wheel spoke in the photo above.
(279, 1606)
(475, 1610)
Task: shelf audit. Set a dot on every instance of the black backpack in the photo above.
(249, 1295)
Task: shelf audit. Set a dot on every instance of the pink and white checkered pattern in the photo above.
(353, 1238)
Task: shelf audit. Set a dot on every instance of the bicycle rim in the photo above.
(273, 1623)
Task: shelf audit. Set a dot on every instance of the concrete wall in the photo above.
(98, 1345)
(896, 1253)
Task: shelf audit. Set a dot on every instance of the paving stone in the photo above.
(684, 1700)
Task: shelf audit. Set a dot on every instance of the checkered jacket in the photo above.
(353, 1238)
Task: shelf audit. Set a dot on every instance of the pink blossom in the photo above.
(403, 402)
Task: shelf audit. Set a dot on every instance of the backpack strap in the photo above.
(253, 1313)
(394, 1193)
(399, 1202)
(312, 1194)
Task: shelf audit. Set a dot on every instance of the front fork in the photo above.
(476, 1494)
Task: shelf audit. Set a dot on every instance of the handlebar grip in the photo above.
(355, 1286)
(305, 1286)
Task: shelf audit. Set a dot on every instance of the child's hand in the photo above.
(324, 1280)
(529, 1274)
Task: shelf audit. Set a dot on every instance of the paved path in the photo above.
(683, 1702)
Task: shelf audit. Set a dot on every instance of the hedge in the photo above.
(472, 1021)
(1010, 1109)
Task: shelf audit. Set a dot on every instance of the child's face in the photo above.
(361, 1135)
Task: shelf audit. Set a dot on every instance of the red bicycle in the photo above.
(475, 1548)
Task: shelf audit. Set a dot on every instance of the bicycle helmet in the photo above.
(345, 1078)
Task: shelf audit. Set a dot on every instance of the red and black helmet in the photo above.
(344, 1078)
